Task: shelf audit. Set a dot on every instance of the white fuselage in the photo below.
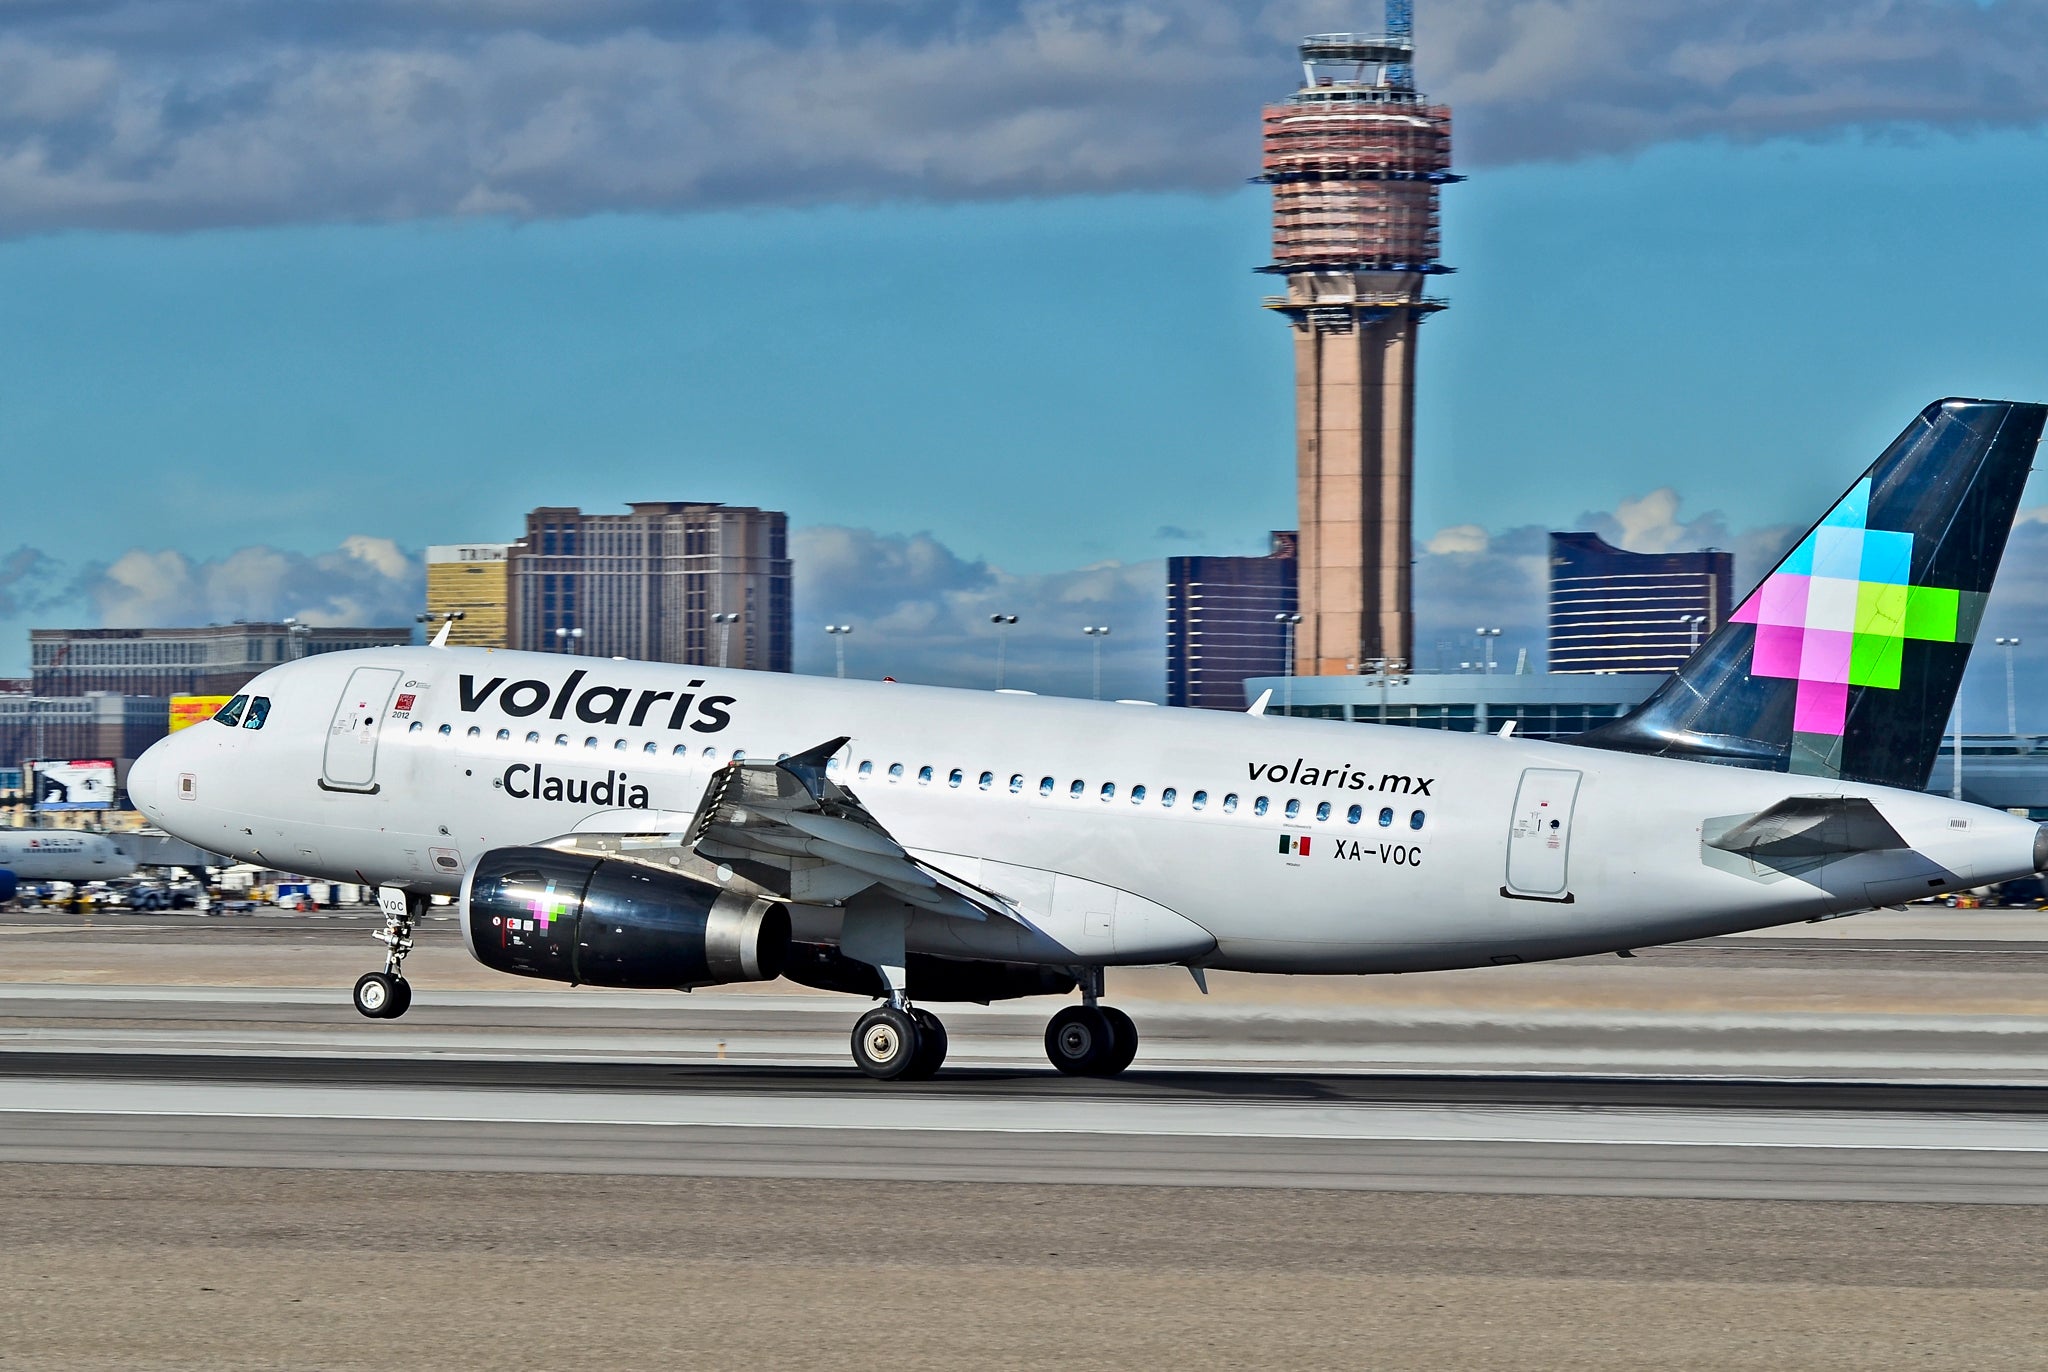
(1492, 850)
(62, 855)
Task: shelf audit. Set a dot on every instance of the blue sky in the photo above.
(987, 380)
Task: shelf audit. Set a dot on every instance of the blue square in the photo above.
(1854, 511)
(1838, 553)
(1799, 562)
(1887, 557)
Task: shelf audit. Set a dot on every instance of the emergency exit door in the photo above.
(1540, 834)
(350, 762)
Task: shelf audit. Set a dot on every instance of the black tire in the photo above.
(401, 1001)
(1079, 1040)
(376, 993)
(1125, 1033)
(931, 1047)
(885, 1043)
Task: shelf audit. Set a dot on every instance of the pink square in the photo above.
(1777, 650)
(1745, 613)
(1784, 600)
(1825, 655)
(1822, 708)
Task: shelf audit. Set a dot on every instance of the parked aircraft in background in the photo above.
(631, 824)
(59, 855)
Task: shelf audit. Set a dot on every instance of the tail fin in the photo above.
(1844, 662)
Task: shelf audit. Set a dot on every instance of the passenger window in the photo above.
(533, 738)
(738, 754)
(831, 764)
(650, 747)
(1415, 820)
(867, 769)
(924, 776)
(1293, 808)
(895, 771)
(1108, 790)
(1322, 812)
(988, 779)
(447, 730)
(417, 726)
(1354, 814)
(475, 732)
(618, 745)
(259, 710)
(1200, 800)
(230, 714)
(1074, 791)
(590, 742)
(561, 740)
(1230, 803)
(682, 750)
(1016, 782)
(1045, 787)
(504, 735)
(1259, 806)
(954, 777)
(710, 754)
(1166, 797)
(1386, 817)
(1137, 795)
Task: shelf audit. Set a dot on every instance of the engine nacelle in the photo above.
(594, 920)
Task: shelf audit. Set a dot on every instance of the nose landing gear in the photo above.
(387, 994)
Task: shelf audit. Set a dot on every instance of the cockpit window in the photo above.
(230, 714)
(259, 710)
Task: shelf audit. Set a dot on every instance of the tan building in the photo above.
(470, 579)
(1355, 160)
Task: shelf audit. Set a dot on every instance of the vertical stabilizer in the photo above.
(1845, 660)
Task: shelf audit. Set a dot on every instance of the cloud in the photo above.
(29, 580)
(920, 612)
(364, 581)
(169, 114)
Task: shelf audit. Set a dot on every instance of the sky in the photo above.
(288, 293)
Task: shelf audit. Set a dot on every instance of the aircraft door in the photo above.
(350, 762)
(1540, 834)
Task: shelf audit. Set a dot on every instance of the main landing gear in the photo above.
(1091, 1040)
(899, 1043)
(387, 994)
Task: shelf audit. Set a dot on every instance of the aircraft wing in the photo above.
(791, 827)
(1812, 826)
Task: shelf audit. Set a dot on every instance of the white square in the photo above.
(1831, 604)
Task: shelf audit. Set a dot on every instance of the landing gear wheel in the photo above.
(377, 993)
(1079, 1040)
(1125, 1034)
(931, 1047)
(401, 1000)
(885, 1043)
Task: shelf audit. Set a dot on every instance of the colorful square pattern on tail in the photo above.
(1838, 613)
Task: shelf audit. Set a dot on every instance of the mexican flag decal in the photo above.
(1294, 845)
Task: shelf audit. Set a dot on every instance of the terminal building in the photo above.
(1616, 611)
(1541, 706)
(214, 659)
(468, 583)
(656, 584)
(1226, 620)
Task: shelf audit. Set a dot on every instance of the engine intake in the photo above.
(604, 921)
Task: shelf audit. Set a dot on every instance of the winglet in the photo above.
(441, 639)
(1258, 707)
(808, 767)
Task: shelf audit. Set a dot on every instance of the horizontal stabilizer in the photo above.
(1811, 827)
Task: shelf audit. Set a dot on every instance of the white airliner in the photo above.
(619, 823)
(58, 855)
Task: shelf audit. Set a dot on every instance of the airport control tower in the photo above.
(1355, 160)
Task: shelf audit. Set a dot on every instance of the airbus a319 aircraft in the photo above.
(58, 855)
(628, 824)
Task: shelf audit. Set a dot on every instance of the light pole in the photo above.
(564, 638)
(296, 635)
(1002, 623)
(724, 623)
(839, 633)
(1287, 688)
(1486, 638)
(1695, 625)
(2012, 717)
(1096, 633)
(1385, 668)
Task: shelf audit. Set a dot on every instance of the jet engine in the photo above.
(597, 920)
(9, 887)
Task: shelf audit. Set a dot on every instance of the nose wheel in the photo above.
(387, 994)
(1091, 1041)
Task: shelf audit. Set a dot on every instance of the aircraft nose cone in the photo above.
(151, 779)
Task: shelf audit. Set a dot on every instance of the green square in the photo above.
(1874, 660)
(1880, 609)
(1931, 613)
